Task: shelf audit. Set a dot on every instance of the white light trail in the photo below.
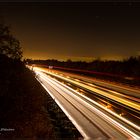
(121, 127)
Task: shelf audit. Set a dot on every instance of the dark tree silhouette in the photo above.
(9, 45)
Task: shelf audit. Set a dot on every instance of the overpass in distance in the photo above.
(99, 110)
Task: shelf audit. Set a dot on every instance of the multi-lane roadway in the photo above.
(93, 120)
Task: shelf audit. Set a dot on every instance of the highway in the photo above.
(125, 97)
(126, 90)
(93, 120)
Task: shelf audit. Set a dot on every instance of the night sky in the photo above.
(75, 30)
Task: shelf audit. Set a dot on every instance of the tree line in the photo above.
(127, 67)
(126, 71)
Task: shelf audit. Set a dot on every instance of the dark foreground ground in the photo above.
(26, 110)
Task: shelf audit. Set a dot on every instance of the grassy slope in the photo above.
(22, 103)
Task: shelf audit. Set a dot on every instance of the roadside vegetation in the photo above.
(22, 103)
